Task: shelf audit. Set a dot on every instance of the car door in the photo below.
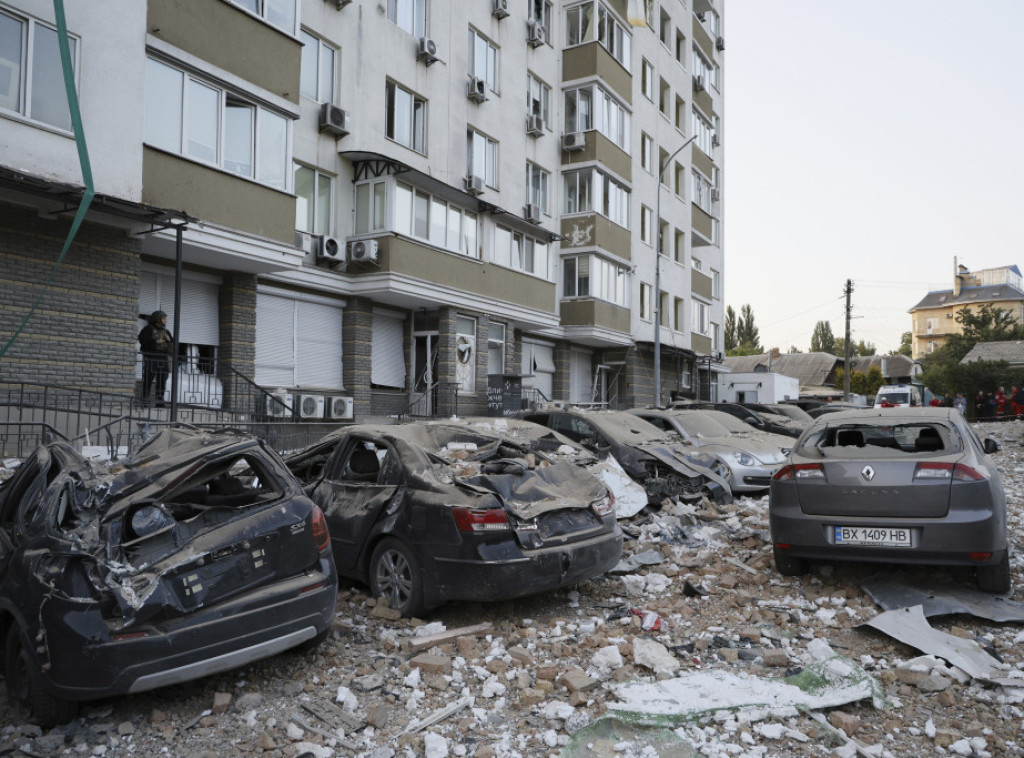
(360, 482)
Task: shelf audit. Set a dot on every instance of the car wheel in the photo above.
(26, 691)
(995, 578)
(789, 565)
(395, 576)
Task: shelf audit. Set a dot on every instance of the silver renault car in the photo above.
(895, 485)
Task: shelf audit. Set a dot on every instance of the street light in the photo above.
(657, 274)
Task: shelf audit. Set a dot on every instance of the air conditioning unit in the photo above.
(340, 407)
(536, 35)
(477, 89)
(474, 184)
(949, 315)
(532, 213)
(698, 82)
(311, 406)
(720, 44)
(330, 249)
(279, 405)
(341, 3)
(716, 194)
(500, 8)
(427, 51)
(715, 141)
(534, 125)
(333, 120)
(574, 141)
(364, 251)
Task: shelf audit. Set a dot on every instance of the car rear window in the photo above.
(895, 397)
(886, 440)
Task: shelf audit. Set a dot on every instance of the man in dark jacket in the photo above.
(156, 344)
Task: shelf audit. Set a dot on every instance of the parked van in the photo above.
(897, 396)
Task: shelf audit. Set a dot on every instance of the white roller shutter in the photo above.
(580, 377)
(319, 346)
(298, 343)
(200, 318)
(275, 341)
(388, 358)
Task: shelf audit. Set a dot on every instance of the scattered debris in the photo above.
(941, 599)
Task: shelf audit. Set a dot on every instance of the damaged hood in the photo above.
(530, 492)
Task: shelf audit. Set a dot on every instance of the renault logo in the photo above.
(868, 473)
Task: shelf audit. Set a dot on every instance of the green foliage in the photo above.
(970, 378)
(741, 333)
(730, 330)
(794, 349)
(861, 383)
(822, 339)
(906, 345)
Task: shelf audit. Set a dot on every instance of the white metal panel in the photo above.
(318, 342)
(388, 358)
(581, 378)
(200, 315)
(275, 341)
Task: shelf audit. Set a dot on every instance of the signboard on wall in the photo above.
(504, 394)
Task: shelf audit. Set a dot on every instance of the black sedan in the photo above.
(426, 513)
(900, 485)
(201, 555)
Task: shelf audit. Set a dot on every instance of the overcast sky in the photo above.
(872, 142)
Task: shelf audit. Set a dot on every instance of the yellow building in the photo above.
(934, 318)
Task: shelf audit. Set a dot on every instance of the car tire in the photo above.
(395, 576)
(789, 565)
(995, 578)
(27, 694)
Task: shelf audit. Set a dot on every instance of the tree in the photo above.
(906, 345)
(857, 348)
(822, 340)
(866, 348)
(747, 333)
(794, 349)
(730, 330)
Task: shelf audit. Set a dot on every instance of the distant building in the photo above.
(1011, 351)
(934, 318)
(815, 372)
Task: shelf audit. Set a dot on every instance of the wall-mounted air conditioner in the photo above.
(474, 184)
(715, 141)
(477, 89)
(364, 251)
(720, 44)
(716, 194)
(330, 249)
(334, 120)
(500, 9)
(534, 125)
(532, 213)
(311, 406)
(698, 82)
(341, 3)
(574, 141)
(427, 51)
(279, 405)
(340, 408)
(536, 35)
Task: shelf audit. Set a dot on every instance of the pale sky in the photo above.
(872, 142)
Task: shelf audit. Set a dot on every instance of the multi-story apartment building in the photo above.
(369, 198)
(934, 317)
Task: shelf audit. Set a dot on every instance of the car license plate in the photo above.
(872, 535)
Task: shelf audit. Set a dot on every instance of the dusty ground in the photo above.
(550, 666)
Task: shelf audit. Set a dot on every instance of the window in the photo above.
(680, 120)
(420, 215)
(664, 98)
(716, 285)
(930, 325)
(612, 35)
(646, 152)
(679, 180)
(517, 251)
(496, 348)
(592, 107)
(465, 353)
(371, 206)
(387, 356)
(313, 192)
(406, 118)
(665, 28)
(663, 312)
(409, 15)
(681, 48)
(279, 13)
(711, 22)
(595, 277)
(646, 223)
(663, 236)
(31, 76)
(649, 12)
(483, 59)
(645, 301)
(540, 12)
(701, 318)
(702, 192)
(538, 97)
(187, 116)
(680, 247)
(696, 264)
(716, 337)
(317, 74)
(647, 79)
(537, 187)
(702, 128)
(702, 67)
(662, 157)
(482, 158)
(679, 315)
(591, 190)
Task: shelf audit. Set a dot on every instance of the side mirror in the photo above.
(991, 446)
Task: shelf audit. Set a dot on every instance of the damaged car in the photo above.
(900, 485)
(428, 513)
(198, 555)
(662, 466)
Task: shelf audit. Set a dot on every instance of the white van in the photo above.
(897, 396)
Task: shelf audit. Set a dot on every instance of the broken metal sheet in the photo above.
(630, 497)
(909, 626)
(824, 684)
(942, 600)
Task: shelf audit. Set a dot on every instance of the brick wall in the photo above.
(237, 315)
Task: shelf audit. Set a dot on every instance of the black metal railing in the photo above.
(441, 399)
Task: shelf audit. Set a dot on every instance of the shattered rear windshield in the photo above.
(884, 440)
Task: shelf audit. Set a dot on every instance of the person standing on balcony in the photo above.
(155, 343)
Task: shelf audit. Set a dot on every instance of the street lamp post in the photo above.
(657, 273)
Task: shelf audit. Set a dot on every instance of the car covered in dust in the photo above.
(661, 465)
(198, 555)
(427, 513)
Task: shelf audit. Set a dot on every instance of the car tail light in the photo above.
(979, 556)
(480, 520)
(603, 506)
(321, 537)
(955, 471)
(800, 471)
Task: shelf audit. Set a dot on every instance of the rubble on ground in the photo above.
(693, 645)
